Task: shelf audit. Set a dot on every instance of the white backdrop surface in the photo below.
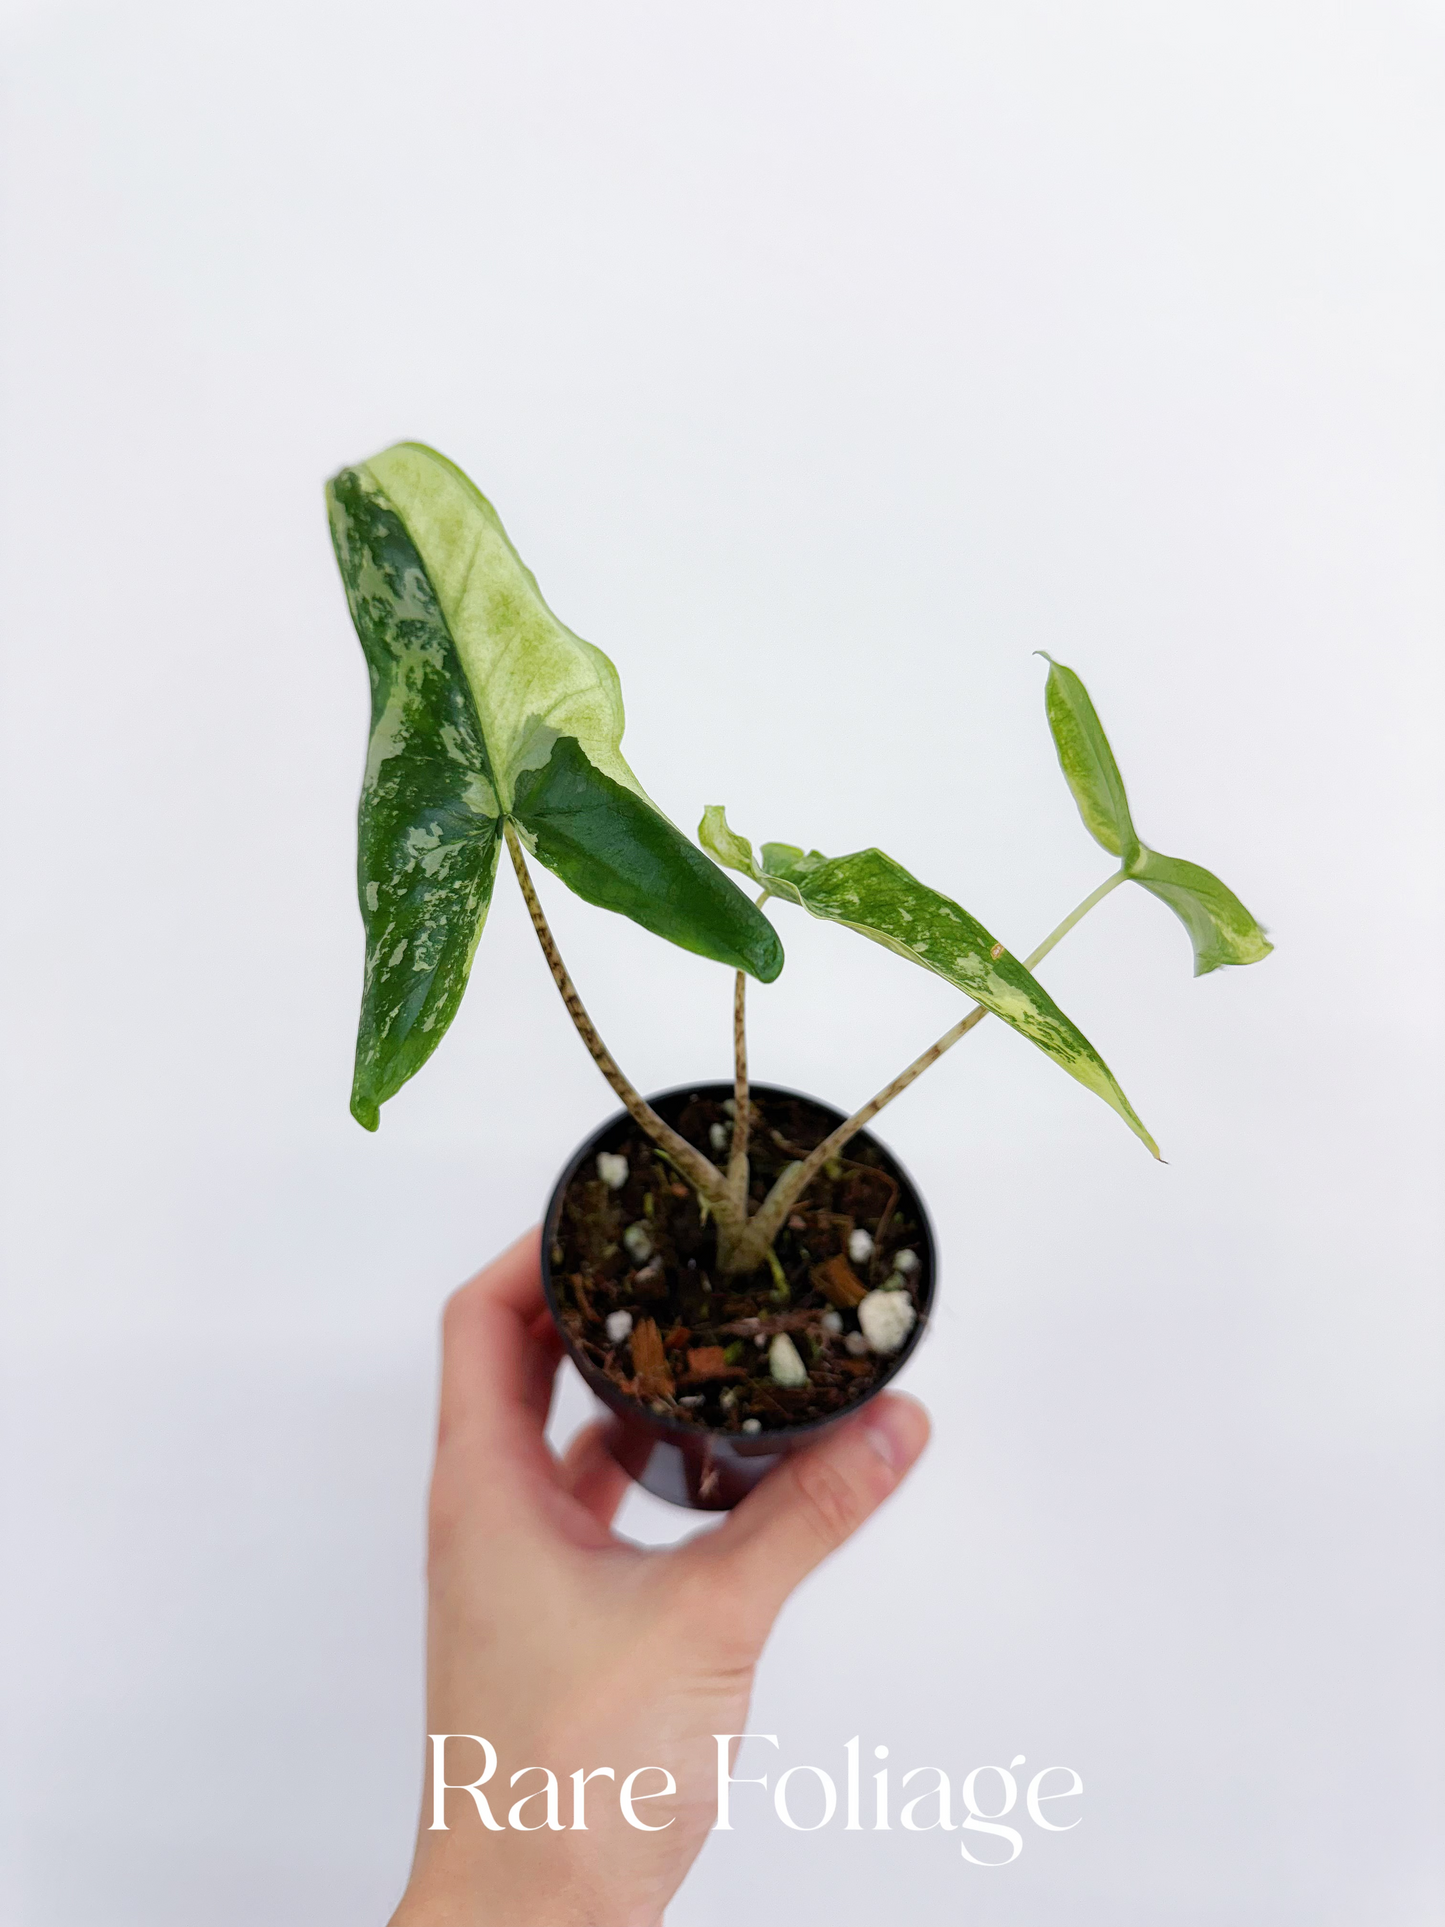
(823, 361)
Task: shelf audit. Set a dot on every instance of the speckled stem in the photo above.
(742, 1104)
(704, 1175)
(742, 1110)
(762, 1229)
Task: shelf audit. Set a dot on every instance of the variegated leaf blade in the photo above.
(478, 693)
(536, 686)
(880, 899)
(1220, 928)
(870, 893)
(531, 678)
(428, 823)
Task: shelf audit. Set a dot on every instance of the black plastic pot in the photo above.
(684, 1464)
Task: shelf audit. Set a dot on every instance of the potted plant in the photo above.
(731, 1266)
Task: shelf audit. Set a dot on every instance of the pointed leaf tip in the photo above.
(723, 843)
(1087, 760)
(615, 850)
(1220, 928)
(870, 893)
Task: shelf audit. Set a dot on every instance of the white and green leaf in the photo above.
(870, 893)
(486, 708)
(1221, 930)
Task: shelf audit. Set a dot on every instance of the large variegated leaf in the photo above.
(485, 708)
(877, 897)
(1221, 930)
(429, 826)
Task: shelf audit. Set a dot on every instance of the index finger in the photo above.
(488, 1351)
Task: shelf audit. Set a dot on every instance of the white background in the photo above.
(824, 361)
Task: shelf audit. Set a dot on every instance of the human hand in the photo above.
(570, 1649)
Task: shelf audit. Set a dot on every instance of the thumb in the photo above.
(814, 1500)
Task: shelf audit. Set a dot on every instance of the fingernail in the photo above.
(896, 1429)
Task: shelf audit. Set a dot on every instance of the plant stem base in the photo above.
(680, 1351)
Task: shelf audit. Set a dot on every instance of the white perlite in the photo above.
(752, 1425)
(887, 1317)
(906, 1262)
(832, 1321)
(860, 1247)
(718, 1137)
(612, 1169)
(619, 1327)
(855, 1344)
(638, 1242)
(786, 1367)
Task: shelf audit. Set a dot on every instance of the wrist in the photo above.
(432, 1902)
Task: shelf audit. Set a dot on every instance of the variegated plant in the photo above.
(491, 722)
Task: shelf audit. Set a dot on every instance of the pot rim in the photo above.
(751, 1444)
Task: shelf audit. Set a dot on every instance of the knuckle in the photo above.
(460, 1315)
(455, 1310)
(830, 1506)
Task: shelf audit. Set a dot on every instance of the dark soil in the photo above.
(698, 1350)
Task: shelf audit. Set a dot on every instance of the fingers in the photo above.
(813, 1502)
(542, 1361)
(591, 1474)
(514, 1279)
(492, 1372)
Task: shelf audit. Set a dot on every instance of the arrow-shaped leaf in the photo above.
(1221, 930)
(486, 708)
(877, 897)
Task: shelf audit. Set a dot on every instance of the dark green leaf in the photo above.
(611, 848)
